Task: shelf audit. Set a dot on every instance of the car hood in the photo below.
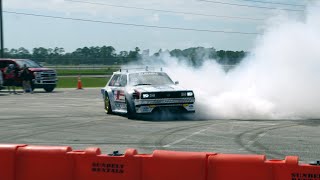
(40, 69)
(158, 88)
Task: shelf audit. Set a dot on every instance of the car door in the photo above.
(3, 65)
(117, 92)
(1, 80)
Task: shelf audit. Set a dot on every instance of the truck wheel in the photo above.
(107, 105)
(131, 112)
(49, 88)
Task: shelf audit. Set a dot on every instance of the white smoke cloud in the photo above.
(279, 79)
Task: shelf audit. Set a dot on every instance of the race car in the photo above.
(134, 92)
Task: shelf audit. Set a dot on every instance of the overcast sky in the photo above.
(29, 32)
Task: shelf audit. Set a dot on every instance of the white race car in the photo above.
(142, 92)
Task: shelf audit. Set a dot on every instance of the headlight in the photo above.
(183, 94)
(189, 94)
(37, 74)
(151, 95)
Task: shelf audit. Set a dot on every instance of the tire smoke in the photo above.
(279, 79)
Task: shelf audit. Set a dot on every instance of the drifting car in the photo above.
(145, 92)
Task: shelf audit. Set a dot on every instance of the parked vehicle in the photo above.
(145, 92)
(42, 77)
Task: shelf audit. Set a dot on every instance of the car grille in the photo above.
(164, 101)
(169, 94)
(46, 75)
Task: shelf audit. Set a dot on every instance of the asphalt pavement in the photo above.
(76, 118)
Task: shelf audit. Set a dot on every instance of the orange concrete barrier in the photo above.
(7, 161)
(43, 162)
(290, 169)
(170, 165)
(239, 167)
(92, 165)
(22, 162)
(256, 167)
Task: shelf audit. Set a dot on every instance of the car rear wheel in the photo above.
(107, 105)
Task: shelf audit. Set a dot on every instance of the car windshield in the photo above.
(29, 63)
(149, 78)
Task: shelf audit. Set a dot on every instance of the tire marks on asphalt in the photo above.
(158, 139)
(249, 140)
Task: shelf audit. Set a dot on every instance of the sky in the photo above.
(30, 32)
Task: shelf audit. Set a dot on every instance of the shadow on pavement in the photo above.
(20, 92)
(163, 117)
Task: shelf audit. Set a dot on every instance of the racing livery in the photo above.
(142, 92)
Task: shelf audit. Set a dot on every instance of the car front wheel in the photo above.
(47, 88)
(131, 113)
(107, 105)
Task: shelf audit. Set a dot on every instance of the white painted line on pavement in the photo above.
(182, 139)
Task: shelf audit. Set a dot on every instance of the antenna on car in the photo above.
(120, 69)
(161, 69)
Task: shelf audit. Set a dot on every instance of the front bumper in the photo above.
(45, 81)
(165, 104)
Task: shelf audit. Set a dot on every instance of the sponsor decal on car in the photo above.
(118, 95)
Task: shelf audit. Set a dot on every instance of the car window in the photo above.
(28, 63)
(123, 80)
(152, 78)
(115, 81)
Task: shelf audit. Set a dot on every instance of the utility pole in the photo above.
(1, 32)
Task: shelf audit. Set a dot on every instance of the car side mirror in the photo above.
(176, 83)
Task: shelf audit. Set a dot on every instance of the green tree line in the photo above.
(107, 55)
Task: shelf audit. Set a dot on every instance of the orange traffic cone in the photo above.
(79, 83)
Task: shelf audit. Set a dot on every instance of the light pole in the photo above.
(1, 32)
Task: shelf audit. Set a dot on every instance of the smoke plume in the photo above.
(278, 79)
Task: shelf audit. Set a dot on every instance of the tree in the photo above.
(134, 55)
(107, 55)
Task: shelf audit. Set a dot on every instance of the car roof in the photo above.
(141, 70)
(136, 72)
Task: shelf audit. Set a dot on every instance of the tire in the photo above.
(32, 87)
(107, 105)
(131, 112)
(47, 88)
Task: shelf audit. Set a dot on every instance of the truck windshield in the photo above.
(149, 78)
(29, 63)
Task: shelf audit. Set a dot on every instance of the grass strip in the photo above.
(70, 72)
(72, 82)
